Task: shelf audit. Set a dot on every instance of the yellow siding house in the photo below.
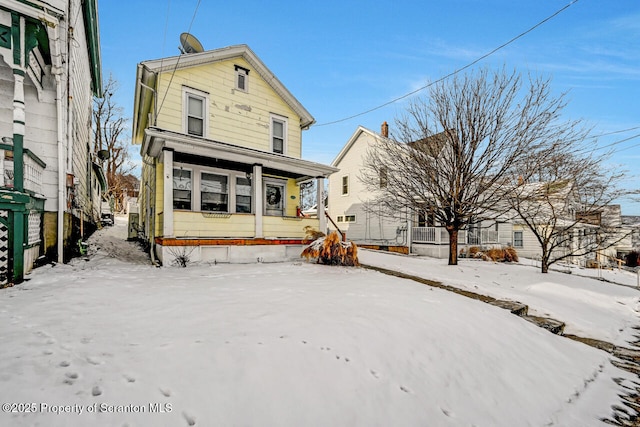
(221, 141)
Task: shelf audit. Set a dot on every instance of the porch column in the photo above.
(409, 229)
(257, 197)
(167, 200)
(322, 225)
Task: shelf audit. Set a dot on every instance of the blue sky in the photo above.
(341, 58)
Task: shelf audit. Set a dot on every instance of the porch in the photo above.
(21, 208)
(440, 236)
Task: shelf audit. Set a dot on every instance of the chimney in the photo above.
(384, 130)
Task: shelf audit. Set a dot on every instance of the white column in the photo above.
(409, 229)
(320, 204)
(167, 206)
(258, 205)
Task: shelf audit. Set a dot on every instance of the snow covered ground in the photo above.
(113, 341)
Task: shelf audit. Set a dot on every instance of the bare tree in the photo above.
(455, 154)
(109, 137)
(565, 203)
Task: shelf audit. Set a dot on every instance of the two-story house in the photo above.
(356, 213)
(49, 182)
(221, 141)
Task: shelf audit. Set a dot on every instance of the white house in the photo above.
(49, 182)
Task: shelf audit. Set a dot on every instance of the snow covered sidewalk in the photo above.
(116, 342)
(590, 308)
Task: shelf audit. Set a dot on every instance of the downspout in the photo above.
(61, 170)
(69, 93)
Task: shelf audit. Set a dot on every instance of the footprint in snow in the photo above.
(406, 390)
(93, 360)
(129, 378)
(70, 378)
(190, 419)
(96, 391)
(374, 373)
(165, 392)
(64, 364)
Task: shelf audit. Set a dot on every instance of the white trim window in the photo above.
(214, 192)
(242, 78)
(345, 185)
(195, 106)
(518, 239)
(278, 134)
(349, 218)
(243, 194)
(182, 185)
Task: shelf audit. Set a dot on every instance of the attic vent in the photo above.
(242, 77)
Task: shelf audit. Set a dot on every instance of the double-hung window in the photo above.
(518, 241)
(182, 188)
(278, 134)
(214, 192)
(195, 112)
(345, 185)
(243, 195)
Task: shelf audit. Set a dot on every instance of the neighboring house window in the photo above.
(195, 109)
(242, 78)
(243, 195)
(214, 192)
(340, 218)
(518, 239)
(278, 134)
(383, 177)
(345, 185)
(274, 198)
(426, 219)
(349, 218)
(181, 188)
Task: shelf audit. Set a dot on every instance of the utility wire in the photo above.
(195, 12)
(453, 72)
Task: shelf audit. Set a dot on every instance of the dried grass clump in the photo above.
(330, 250)
(311, 233)
(508, 254)
(473, 251)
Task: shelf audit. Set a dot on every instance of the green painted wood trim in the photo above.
(18, 162)
(5, 36)
(18, 246)
(90, 14)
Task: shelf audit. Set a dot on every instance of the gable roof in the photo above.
(356, 135)
(148, 70)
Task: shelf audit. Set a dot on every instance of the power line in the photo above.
(453, 72)
(195, 12)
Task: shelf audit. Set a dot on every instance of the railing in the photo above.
(435, 235)
(33, 168)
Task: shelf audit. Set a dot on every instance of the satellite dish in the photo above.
(190, 44)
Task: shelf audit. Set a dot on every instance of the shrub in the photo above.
(473, 251)
(331, 250)
(510, 254)
(507, 254)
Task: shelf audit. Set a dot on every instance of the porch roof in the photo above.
(156, 140)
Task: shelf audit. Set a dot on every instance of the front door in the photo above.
(274, 198)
